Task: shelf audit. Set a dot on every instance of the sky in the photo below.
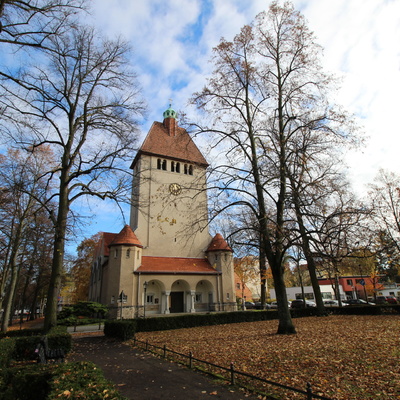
(173, 40)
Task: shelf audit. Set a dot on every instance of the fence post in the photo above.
(165, 350)
(309, 391)
(190, 359)
(232, 374)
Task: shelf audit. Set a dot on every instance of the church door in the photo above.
(177, 302)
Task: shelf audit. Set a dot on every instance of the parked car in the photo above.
(274, 304)
(331, 303)
(258, 306)
(386, 300)
(249, 305)
(299, 303)
(358, 302)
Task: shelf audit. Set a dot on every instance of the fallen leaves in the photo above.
(343, 357)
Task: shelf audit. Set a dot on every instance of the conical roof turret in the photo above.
(126, 237)
(218, 243)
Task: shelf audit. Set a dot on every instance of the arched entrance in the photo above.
(204, 296)
(152, 297)
(178, 300)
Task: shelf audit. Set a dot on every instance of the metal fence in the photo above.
(234, 376)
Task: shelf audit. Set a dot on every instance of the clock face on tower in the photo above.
(175, 188)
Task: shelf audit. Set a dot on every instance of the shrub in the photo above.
(7, 348)
(24, 348)
(123, 329)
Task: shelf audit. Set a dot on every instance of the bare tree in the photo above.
(21, 195)
(268, 96)
(82, 103)
(32, 23)
(385, 203)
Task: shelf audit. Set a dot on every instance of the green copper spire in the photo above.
(170, 113)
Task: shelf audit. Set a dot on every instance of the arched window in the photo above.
(172, 166)
(158, 163)
(178, 167)
(191, 170)
(164, 165)
(185, 169)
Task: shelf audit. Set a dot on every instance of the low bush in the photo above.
(122, 329)
(193, 320)
(24, 345)
(7, 348)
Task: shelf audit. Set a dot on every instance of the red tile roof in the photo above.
(103, 246)
(126, 237)
(218, 243)
(173, 265)
(179, 146)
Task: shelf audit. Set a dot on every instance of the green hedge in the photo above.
(123, 329)
(7, 349)
(366, 309)
(58, 338)
(79, 380)
(23, 347)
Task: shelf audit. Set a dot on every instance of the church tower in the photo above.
(165, 261)
(169, 212)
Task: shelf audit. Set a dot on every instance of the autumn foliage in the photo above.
(343, 357)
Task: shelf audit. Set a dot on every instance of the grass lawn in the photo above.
(343, 357)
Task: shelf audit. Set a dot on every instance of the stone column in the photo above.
(193, 297)
(166, 310)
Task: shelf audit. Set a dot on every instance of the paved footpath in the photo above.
(139, 375)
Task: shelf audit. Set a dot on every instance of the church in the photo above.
(165, 260)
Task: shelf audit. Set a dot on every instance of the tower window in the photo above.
(172, 166)
(191, 170)
(128, 253)
(185, 169)
(164, 165)
(178, 167)
(158, 163)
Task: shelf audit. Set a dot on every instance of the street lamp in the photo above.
(145, 284)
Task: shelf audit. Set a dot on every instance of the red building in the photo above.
(356, 286)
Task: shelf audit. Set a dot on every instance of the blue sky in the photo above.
(173, 40)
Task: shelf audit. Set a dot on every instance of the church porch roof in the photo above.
(175, 265)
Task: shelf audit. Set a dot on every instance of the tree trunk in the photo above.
(50, 319)
(285, 319)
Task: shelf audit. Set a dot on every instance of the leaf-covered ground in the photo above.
(343, 357)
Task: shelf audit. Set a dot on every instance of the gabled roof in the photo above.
(175, 265)
(218, 243)
(103, 246)
(179, 146)
(126, 237)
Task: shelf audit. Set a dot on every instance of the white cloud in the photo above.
(173, 42)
